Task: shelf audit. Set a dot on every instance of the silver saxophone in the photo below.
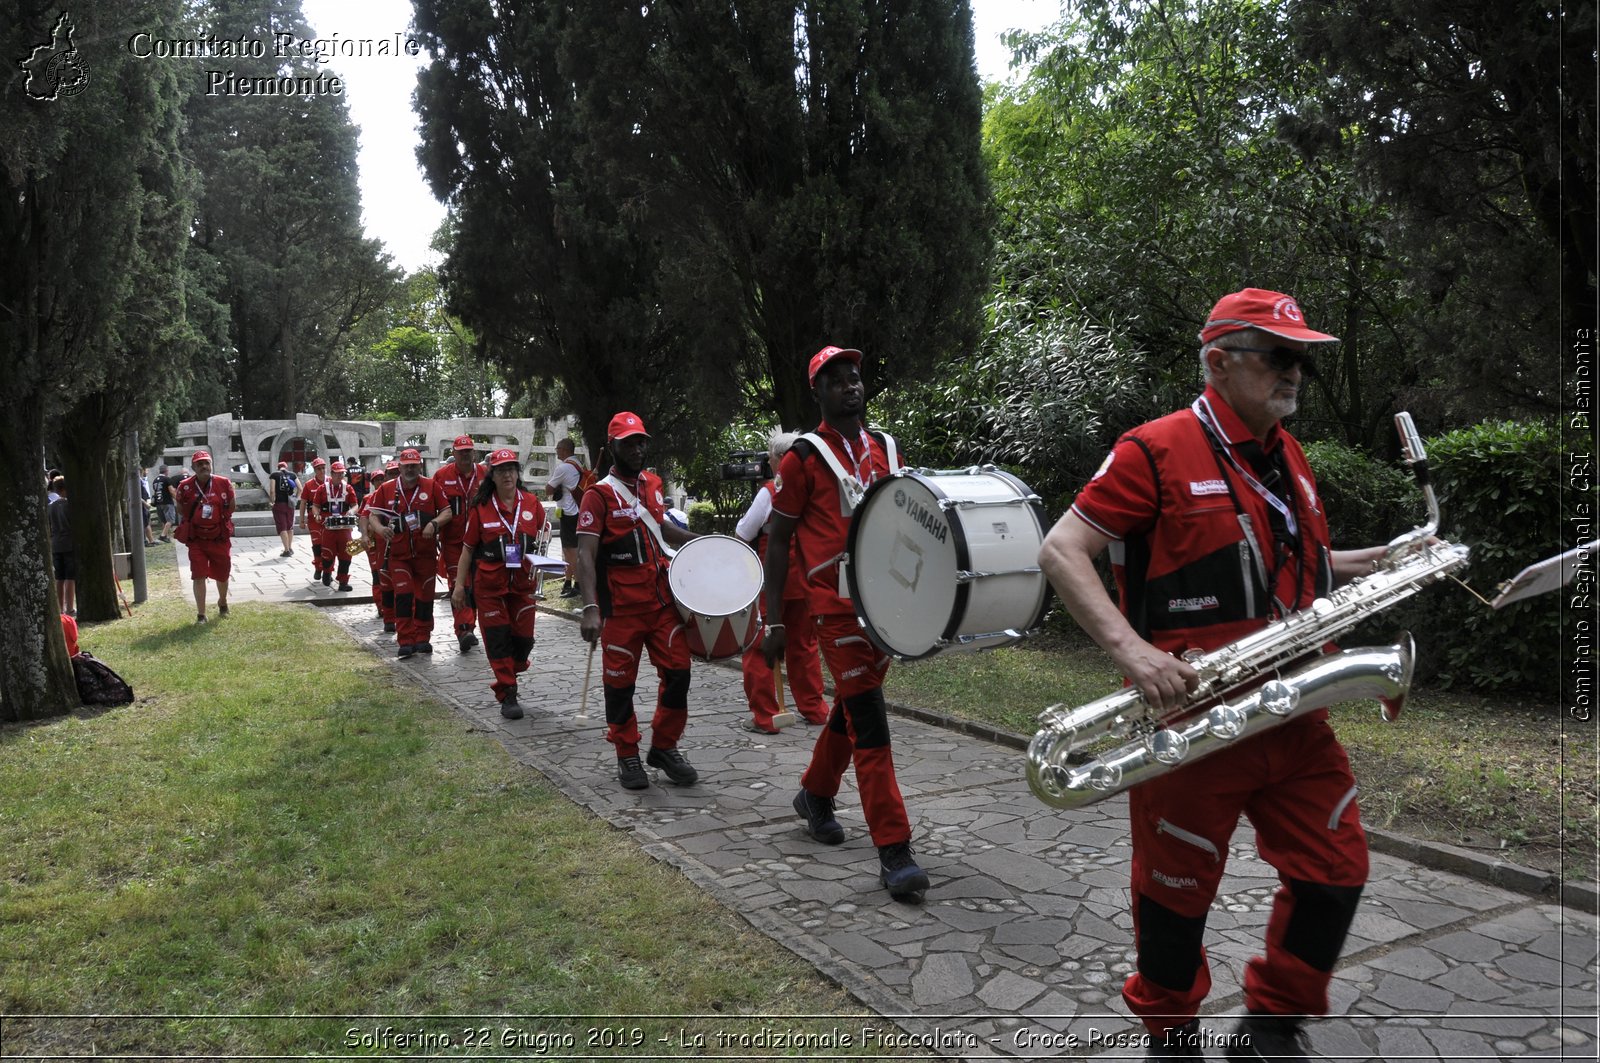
(1231, 701)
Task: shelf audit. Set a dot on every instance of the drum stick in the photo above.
(778, 673)
(583, 701)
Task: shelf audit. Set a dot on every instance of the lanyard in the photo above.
(1202, 410)
(511, 521)
(863, 465)
(409, 500)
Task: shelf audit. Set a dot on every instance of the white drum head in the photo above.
(903, 566)
(715, 575)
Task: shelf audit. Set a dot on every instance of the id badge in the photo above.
(513, 555)
(205, 511)
(413, 522)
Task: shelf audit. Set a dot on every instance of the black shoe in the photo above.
(467, 641)
(200, 619)
(899, 873)
(345, 587)
(630, 773)
(286, 553)
(818, 814)
(424, 647)
(407, 649)
(510, 709)
(164, 539)
(679, 771)
(1180, 1042)
(569, 590)
(1273, 1038)
(222, 608)
(327, 579)
(388, 627)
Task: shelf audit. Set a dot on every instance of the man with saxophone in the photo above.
(1215, 529)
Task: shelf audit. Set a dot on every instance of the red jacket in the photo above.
(193, 503)
(487, 528)
(630, 562)
(456, 493)
(411, 508)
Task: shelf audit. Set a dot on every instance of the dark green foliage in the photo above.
(703, 518)
(280, 219)
(668, 208)
(1475, 123)
(1500, 493)
(1046, 399)
(1366, 502)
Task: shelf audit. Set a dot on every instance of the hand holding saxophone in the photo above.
(1164, 681)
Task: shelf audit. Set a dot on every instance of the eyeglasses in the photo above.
(1281, 359)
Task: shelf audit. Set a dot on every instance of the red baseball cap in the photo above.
(465, 443)
(624, 425)
(317, 463)
(1272, 312)
(504, 456)
(393, 466)
(828, 354)
(337, 466)
(200, 455)
(410, 456)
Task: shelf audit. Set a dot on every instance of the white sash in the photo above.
(851, 489)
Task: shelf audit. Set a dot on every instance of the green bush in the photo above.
(1499, 487)
(702, 517)
(1366, 502)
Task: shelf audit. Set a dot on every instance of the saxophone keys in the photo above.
(1279, 698)
(1226, 722)
(1167, 747)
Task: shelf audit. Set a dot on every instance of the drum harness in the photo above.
(851, 489)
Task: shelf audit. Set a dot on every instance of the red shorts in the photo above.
(210, 558)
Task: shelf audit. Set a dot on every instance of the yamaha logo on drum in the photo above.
(927, 518)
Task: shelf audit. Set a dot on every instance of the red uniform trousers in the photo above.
(506, 611)
(333, 553)
(450, 557)
(382, 591)
(621, 640)
(210, 558)
(803, 667)
(319, 564)
(857, 730)
(412, 578)
(1294, 784)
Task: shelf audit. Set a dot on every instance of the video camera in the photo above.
(748, 465)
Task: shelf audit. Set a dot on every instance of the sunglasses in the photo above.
(1281, 359)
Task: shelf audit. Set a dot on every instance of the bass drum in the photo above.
(947, 560)
(716, 581)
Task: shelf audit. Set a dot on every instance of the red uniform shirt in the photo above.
(629, 556)
(312, 495)
(808, 491)
(491, 523)
(207, 509)
(1221, 560)
(456, 491)
(409, 509)
(322, 501)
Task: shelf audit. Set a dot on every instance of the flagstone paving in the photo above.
(1025, 937)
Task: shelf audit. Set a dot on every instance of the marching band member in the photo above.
(205, 503)
(382, 589)
(812, 506)
(311, 515)
(800, 649)
(1180, 501)
(456, 483)
(500, 529)
(622, 569)
(401, 508)
(336, 499)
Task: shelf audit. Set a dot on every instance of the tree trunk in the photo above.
(35, 674)
(85, 451)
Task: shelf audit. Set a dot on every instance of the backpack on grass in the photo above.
(98, 684)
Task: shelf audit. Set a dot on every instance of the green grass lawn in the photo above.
(278, 827)
(1498, 774)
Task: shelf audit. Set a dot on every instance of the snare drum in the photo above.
(716, 581)
(339, 523)
(947, 560)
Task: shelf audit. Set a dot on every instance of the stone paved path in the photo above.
(1024, 940)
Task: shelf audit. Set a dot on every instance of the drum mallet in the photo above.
(583, 701)
(784, 717)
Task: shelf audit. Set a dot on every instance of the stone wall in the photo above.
(234, 443)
